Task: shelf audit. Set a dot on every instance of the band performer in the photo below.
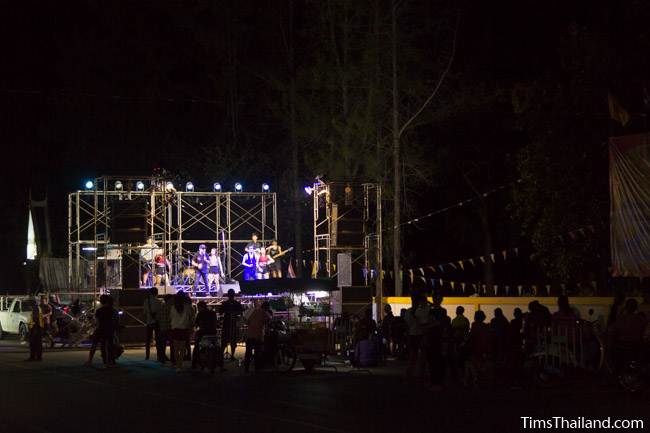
(200, 261)
(263, 263)
(254, 243)
(215, 270)
(275, 267)
(249, 261)
(146, 260)
(162, 268)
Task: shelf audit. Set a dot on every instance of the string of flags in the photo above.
(454, 206)
(504, 289)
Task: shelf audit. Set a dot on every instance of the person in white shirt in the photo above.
(182, 321)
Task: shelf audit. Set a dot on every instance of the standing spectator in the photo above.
(565, 317)
(437, 327)
(181, 325)
(255, 335)
(151, 310)
(398, 332)
(164, 326)
(479, 343)
(365, 327)
(499, 326)
(104, 336)
(416, 318)
(617, 307)
(231, 311)
(36, 326)
(46, 312)
(644, 308)
(515, 350)
(206, 324)
(627, 334)
(459, 331)
(385, 328)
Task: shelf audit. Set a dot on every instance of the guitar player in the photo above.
(276, 252)
(201, 262)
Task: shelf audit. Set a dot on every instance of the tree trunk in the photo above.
(396, 162)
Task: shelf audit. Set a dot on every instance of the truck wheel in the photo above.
(22, 332)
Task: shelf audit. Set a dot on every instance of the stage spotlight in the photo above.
(139, 186)
(118, 185)
(238, 187)
(169, 186)
(216, 187)
(89, 184)
(309, 189)
(189, 187)
(265, 187)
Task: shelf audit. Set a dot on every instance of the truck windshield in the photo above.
(27, 306)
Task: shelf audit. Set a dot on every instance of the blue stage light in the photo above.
(189, 187)
(216, 187)
(238, 187)
(265, 187)
(139, 186)
(89, 184)
(309, 189)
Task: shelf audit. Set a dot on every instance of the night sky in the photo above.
(201, 88)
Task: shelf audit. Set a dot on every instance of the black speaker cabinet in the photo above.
(129, 221)
(130, 271)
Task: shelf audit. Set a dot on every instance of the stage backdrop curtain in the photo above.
(629, 184)
(53, 273)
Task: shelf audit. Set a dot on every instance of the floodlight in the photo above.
(118, 185)
(189, 187)
(139, 186)
(309, 189)
(238, 187)
(169, 186)
(89, 184)
(216, 187)
(265, 187)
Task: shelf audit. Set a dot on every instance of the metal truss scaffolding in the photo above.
(176, 221)
(347, 219)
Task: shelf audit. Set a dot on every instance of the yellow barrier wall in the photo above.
(600, 305)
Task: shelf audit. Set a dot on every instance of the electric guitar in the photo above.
(288, 250)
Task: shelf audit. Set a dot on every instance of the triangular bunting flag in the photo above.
(432, 268)
(507, 290)
(496, 289)
(534, 290)
(423, 279)
(548, 289)
(520, 289)
(504, 254)
(492, 257)
(421, 271)
(453, 283)
(462, 266)
(516, 250)
(441, 268)
(482, 259)
(453, 266)
(462, 286)
(411, 275)
(471, 261)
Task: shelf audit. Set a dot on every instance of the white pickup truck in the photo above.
(14, 315)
